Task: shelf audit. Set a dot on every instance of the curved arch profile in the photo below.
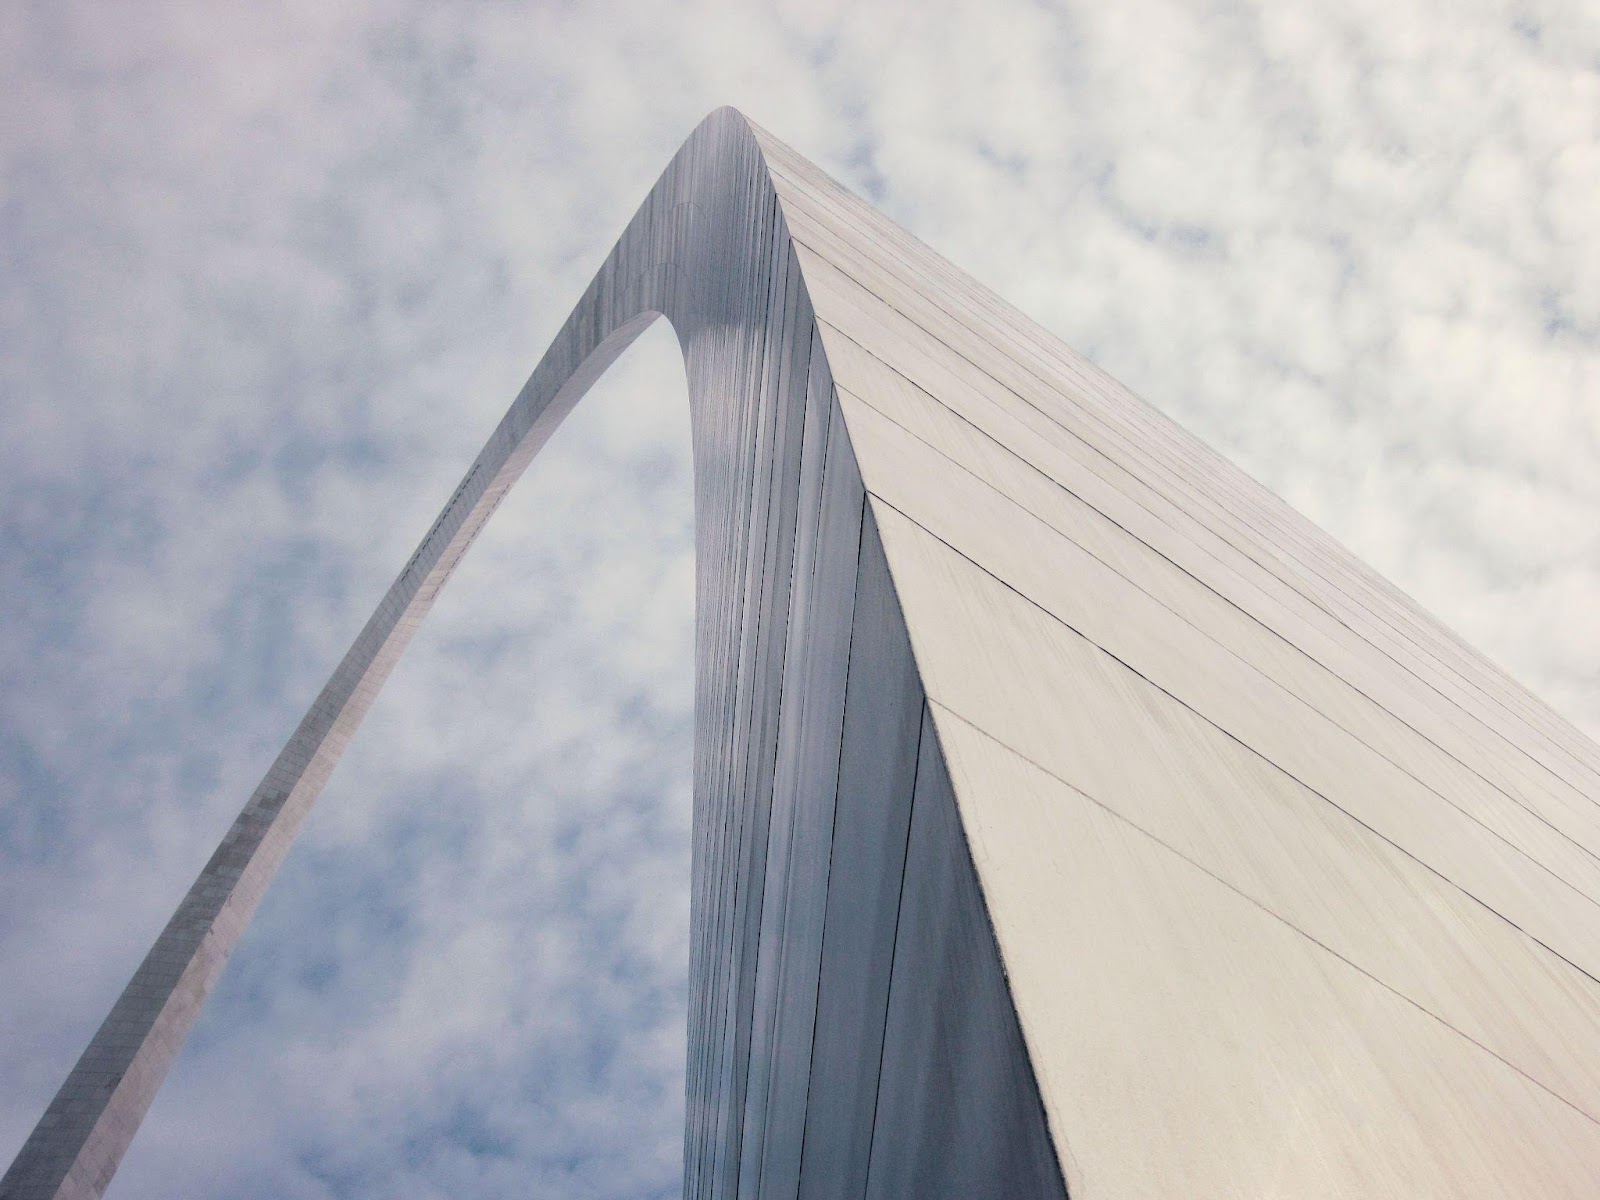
(1068, 811)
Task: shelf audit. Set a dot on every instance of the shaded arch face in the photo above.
(1067, 809)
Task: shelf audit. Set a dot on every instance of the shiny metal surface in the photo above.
(1070, 815)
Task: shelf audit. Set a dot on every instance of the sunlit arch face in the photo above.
(1066, 809)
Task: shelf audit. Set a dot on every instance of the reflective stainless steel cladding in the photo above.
(1070, 815)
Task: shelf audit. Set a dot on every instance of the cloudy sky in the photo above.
(271, 273)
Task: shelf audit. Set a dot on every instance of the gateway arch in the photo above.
(1071, 816)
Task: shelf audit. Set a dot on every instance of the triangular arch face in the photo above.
(1296, 895)
(887, 1060)
(1070, 815)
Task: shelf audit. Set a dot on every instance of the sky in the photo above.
(272, 272)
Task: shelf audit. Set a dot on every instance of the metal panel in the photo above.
(997, 667)
(959, 1116)
(1015, 351)
(1190, 1042)
(1216, 598)
(924, 357)
(797, 881)
(1476, 837)
(877, 771)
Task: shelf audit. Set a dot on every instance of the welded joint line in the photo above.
(924, 719)
(792, 615)
(833, 829)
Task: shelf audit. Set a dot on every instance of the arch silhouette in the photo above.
(1067, 809)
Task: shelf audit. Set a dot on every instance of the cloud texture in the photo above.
(273, 271)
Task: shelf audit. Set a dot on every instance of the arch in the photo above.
(1067, 808)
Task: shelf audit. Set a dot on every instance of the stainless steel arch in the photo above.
(1067, 809)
